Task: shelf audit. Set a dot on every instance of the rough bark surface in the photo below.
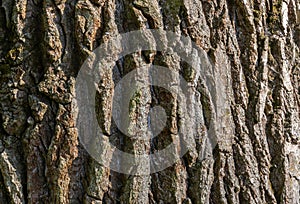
(253, 45)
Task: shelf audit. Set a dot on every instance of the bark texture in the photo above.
(254, 47)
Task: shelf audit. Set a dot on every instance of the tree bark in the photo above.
(253, 46)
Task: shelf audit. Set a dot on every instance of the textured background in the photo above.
(254, 47)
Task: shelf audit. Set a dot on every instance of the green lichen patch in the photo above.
(274, 17)
(15, 55)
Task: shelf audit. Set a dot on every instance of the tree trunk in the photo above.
(253, 47)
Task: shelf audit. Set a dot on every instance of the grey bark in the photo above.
(254, 47)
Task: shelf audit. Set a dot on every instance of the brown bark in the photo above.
(253, 46)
